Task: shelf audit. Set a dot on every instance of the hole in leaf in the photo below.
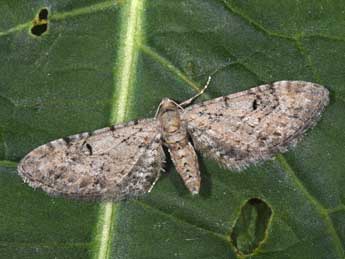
(40, 23)
(43, 14)
(251, 226)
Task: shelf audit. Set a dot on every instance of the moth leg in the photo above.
(154, 182)
(190, 100)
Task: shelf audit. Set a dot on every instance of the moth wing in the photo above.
(254, 125)
(113, 163)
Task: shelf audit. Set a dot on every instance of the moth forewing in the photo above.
(77, 167)
(246, 127)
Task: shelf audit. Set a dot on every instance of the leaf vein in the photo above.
(8, 163)
(319, 207)
(169, 215)
(170, 67)
(307, 58)
(250, 21)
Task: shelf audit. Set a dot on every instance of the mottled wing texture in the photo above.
(253, 125)
(113, 163)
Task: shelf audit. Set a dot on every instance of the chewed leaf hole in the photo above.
(43, 14)
(40, 23)
(251, 226)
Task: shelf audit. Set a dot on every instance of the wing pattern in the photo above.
(111, 163)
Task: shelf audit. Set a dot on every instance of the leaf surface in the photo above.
(100, 63)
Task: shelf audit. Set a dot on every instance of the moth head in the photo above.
(168, 105)
(168, 114)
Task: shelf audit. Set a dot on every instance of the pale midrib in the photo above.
(124, 78)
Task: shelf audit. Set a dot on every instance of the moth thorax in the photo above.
(169, 116)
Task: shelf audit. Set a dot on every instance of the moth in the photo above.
(125, 160)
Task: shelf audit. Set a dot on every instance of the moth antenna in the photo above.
(157, 111)
(190, 100)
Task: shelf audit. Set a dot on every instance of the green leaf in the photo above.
(97, 63)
